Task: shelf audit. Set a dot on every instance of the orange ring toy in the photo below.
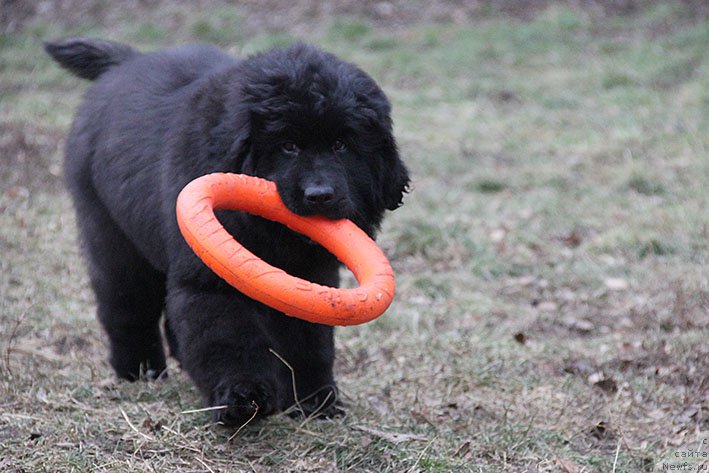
(273, 286)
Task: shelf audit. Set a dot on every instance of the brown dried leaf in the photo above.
(568, 466)
(151, 425)
(463, 449)
(600, 430)
(420, 417)
(572, 239)
(607, 384)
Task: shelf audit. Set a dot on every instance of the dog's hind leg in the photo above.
(129, 292)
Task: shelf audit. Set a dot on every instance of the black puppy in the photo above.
(318, 127)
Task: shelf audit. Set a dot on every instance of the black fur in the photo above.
(317, 126)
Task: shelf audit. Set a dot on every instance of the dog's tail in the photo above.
(86, 57)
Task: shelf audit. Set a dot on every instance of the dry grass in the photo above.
(553, 304)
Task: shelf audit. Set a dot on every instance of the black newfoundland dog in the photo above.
(320, 128)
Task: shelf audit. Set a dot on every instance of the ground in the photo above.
(552, 309)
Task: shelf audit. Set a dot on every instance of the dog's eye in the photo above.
(339, 145)
(290, 147)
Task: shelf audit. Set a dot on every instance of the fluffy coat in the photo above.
(318, 127)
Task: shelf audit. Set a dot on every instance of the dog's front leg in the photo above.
(224, 348)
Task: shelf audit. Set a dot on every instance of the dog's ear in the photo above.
(396, 183)
(394, 177)
(241, 147)
(230, 142)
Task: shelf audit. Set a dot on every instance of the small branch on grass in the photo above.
(204, 409)
(292, 377)
(317, 410)
(617, 452)
(393, 437)
(83, 406)
(256, 408)
(11, 339)
(180, 436)
(21, 416)
(423, 452)
(308, 432)
(130, 424)
(204, 464)
(295, 392)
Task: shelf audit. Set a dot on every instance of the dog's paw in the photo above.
(244, 402)
(140, 368)
(323, 404)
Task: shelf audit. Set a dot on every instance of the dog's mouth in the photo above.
(343, 209)
(339, 209)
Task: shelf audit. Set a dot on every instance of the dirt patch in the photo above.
(31, 157)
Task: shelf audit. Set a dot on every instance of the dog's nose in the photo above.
(319, 194)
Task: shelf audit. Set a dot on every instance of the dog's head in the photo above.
(320, 128)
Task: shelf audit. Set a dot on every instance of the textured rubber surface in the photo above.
(273, 286)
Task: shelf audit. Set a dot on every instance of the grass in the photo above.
(553, 293)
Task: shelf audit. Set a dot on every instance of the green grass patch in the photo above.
(349, 29)
(655, 247)
(617, 79)
(149, 33)
(223, 27)
(490, 186)
(646, 186)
